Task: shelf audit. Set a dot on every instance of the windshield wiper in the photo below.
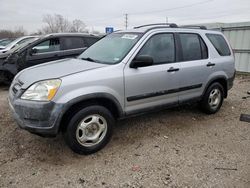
(90, 59)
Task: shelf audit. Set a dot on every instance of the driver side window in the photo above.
(160, 47)
(50, 45)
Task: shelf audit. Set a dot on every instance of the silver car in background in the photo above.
(15, 43)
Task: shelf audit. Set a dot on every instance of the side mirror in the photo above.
(33, 51)
(141, 61)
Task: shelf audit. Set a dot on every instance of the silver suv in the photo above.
(126, 73)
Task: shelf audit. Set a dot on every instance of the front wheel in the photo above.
(89, 130)
(212, 99)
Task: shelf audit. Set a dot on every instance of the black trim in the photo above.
(172, 25)
(95, 96)
(210, 64)
(172, 69)
(214, 79)
(164, 92)
(147, 110)
(194, 27)
(157, 108)
(230, 81)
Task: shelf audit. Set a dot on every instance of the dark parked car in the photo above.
(47, 48)
(15, 49)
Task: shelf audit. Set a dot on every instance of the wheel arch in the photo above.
(220, 79)
(102, 99)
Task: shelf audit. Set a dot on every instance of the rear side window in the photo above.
(50, 45)
(91, 40)
(73, 43)
(220, 44)
(193, 47)
(161, 48)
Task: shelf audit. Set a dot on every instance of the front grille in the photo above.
(17, 86)
(14, 90)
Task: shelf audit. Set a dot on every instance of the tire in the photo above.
(5, 78)
(213, 98)
(89, 130)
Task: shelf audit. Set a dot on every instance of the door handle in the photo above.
(172, 69)
(210, 64)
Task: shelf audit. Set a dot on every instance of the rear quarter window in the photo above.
(73, 43)
(219, 44)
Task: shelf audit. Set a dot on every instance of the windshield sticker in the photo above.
(129, 36)
(116, 59)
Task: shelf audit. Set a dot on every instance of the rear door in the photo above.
(47, 50)
(73, 46)
(155, 85)
(195, 66)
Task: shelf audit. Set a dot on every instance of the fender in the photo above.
(216, 78)
(94, 96)
(69, 104)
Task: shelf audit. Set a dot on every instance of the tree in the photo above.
(96, 32)
(57, 24)
(17, 32)
(78, 26)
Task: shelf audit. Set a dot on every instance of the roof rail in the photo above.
(172, 25)
(194, 27)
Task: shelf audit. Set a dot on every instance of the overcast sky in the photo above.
(99, 14)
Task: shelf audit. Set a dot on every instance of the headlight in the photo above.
(42, 91)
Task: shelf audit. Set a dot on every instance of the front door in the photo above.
(48, 50)
(155, 85)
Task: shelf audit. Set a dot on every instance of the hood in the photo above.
(55, 69)
(2, 51)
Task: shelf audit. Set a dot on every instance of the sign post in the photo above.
(109, 30)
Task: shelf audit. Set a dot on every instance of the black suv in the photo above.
(47, 48)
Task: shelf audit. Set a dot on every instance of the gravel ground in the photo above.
(181, 147)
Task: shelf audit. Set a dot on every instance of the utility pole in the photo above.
(126, 21)
(166, 19)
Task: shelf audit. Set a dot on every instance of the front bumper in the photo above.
(37, 117)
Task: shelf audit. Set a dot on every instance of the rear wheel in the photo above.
(213, 98)
(89, 130)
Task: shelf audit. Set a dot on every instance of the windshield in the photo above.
(5, 42)
(22, 45)
(111, 49)
(19, 41)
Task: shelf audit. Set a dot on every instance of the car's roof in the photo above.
(174, 28)
(71, 35)
(49, 36)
